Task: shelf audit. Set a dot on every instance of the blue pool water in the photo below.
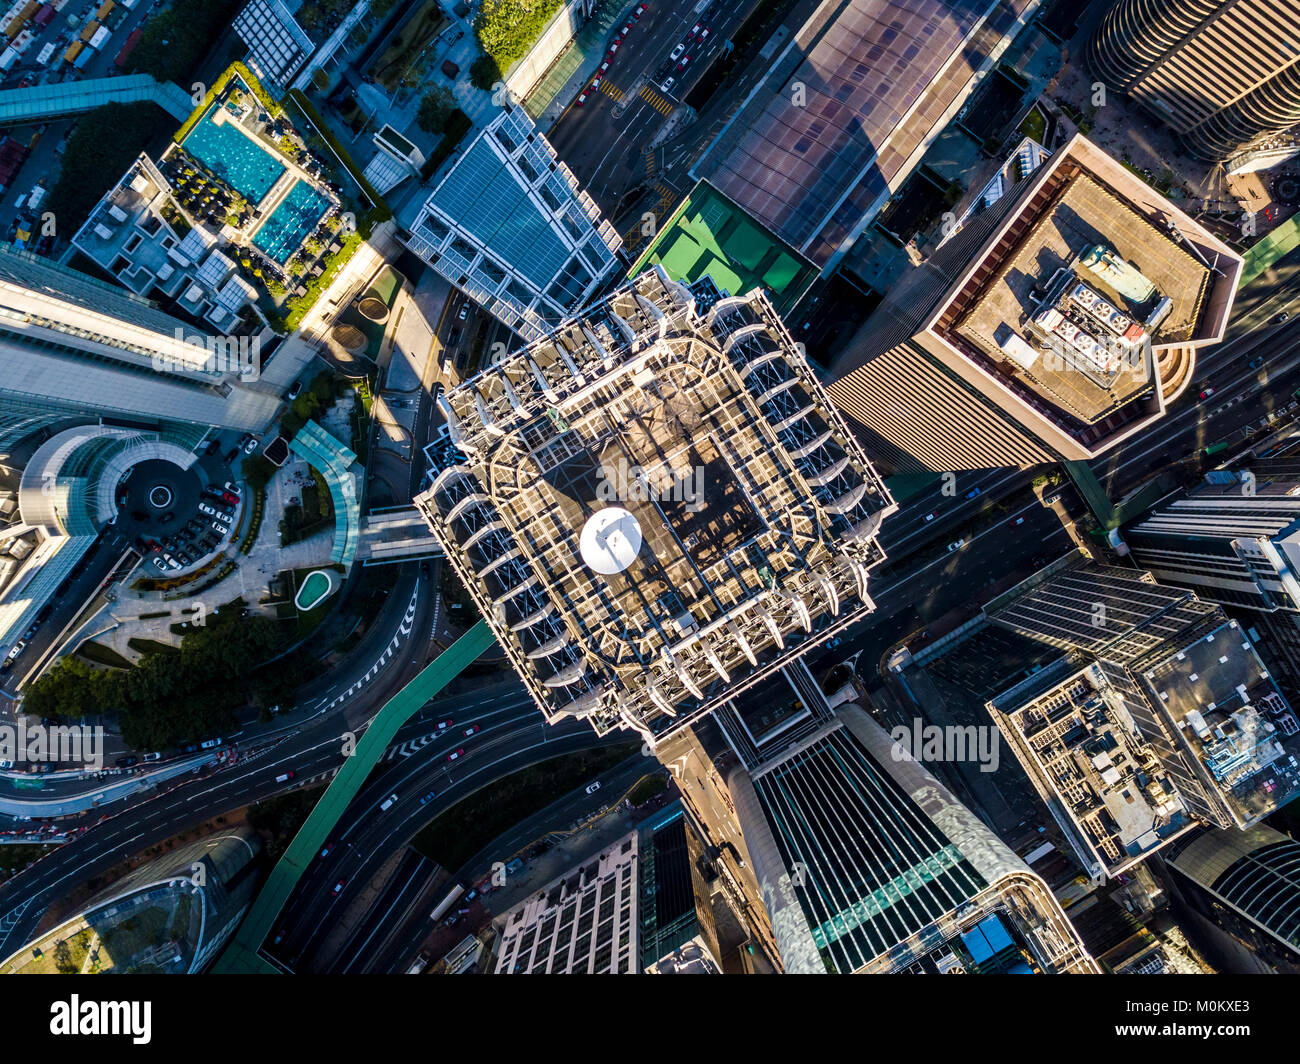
(247, 168)
(291, 222)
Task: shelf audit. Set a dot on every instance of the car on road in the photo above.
(582, 98)
(694, 30)
(614, 47)
(1020, 520)
(471, 730)
(428, 797)
(464, 312)
(640, 10)
(667, 84)
(18, 648)
(127, 762)
(295, 390)
(627, 28)
(955, 545)
(1206, 393)
(972, 493)
(251, 445)
(284, 777)
(592, 788)
(388, 803)
(704, 34)
(1282, 317)
(210, 744)
(677, 52)
(152, 757)
(1255, 363)
(930, 517)
(338, 887)
(681, 65)
(443, 725)
(456, 754)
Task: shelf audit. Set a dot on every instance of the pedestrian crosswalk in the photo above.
(660, 103)
(611, 90)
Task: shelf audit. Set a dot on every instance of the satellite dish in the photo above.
(610, 540)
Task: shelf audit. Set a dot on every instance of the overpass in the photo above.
(41, 103)
(395, 534)
(243, 953)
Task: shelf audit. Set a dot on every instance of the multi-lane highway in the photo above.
(604, 140)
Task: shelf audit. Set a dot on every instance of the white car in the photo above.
(677, 53)
(592, 788)
(204, 508)
(220, 529)
(210, 744)
(956, 545)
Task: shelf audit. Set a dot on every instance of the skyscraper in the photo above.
(847, 109)
(510, 225)
(867, 863)
(1219, 73)
(74, 345)
(657, 506)
(1235, 539)
(1158, 715)
(1054, 324)
(1246, 886)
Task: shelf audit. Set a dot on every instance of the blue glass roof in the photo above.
(490, 202)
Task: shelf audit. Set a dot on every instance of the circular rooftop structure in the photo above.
(349, 337)
(373, 308)
(610, 540)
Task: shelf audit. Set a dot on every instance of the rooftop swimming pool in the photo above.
(246, 167)
(290, 223)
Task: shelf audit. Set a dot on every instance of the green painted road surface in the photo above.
(242, 954)
(1281, 241)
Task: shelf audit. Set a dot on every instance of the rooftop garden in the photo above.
(277, 186)
(506, 29)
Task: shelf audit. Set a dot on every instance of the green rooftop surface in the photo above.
(1280, 242)
(708, 234)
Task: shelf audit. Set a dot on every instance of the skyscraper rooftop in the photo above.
(1073, 306)
(658, 507)
(848, 108)
(1158, 715)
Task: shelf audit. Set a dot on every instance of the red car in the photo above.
(443, 725)
(455, 754)
(227, 497)
(471, 730)
(614, 47)
(582, 98)
(640, 10)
